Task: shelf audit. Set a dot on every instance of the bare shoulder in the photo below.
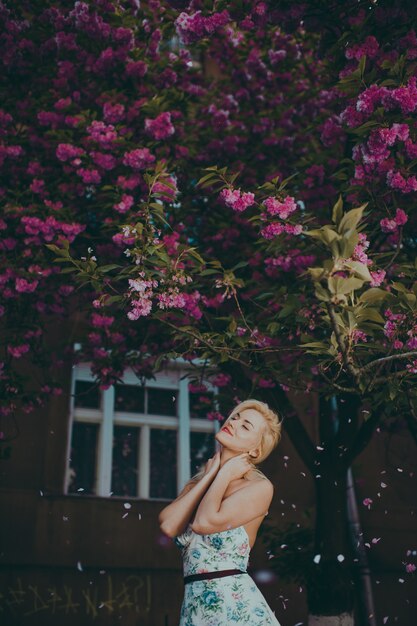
(261, 483)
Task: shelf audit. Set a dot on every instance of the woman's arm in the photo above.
(215, 514)
(173, 519)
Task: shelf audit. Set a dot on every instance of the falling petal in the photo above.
(340, 557)
(127, 505)
(79, 566)
(317, 558)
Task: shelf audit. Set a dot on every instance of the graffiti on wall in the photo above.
(132, 594)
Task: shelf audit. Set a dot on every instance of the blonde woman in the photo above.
(215, 519)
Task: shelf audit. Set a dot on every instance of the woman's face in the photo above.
(243, 431)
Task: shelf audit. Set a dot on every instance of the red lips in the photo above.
(225, 428)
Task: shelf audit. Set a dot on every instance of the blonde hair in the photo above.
(270, 436)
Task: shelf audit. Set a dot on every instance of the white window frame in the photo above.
(176, 376)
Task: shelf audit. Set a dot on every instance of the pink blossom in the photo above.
(24, 286)
(138, 159)
(397, 181)
(125, 203)
(89, 176)
(410, 567)
(222, 380)
(101, 321)
(197, 388)
(215, 415)
(18, 351)
(378, 277)
(103, 134)
(193, 27)
(367, 502)
(391, 225)
(266, 383)
(136, 69)
(113, 113)
(105, 161)
(160, 127)
(236, 199)
(282, 208)
(66, 151)
(369, 48)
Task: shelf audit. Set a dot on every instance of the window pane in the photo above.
(201, 449)
(201, 403)
(129, 398)
(83, 457)
(87, 394)
(163, 463)
(162, 401)
(125, 461)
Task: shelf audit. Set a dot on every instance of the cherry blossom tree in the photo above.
(233, 181)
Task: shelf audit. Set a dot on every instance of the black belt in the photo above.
(220, 574)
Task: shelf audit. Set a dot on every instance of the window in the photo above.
(138, 441)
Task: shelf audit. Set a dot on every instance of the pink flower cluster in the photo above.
(67, 152)
(172, 298)
(215, 415)
(222, 380)
(391, 225)
(293, 260)
(142, 303)
(393, 324)
(368, 48)
(49, 229)
(103, 134)
(193, 27)
(283, 209)
(397, 181)
(236, 199)
(138, 159)
(277, 228)
(161, 127)
(125, 203)
(24, 286)
(359, 254)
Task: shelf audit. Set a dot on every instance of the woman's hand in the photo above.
(237, 466)
(212, 465)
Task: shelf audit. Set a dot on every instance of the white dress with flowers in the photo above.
(220, 601)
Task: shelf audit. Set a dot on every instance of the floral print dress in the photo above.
(223, 601)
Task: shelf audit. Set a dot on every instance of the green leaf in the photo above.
(369, 314)
(351, 219)
(344, 285)
(373, 296)
(360, 269)
(337, 212)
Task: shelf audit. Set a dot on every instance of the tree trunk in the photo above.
(331, 589)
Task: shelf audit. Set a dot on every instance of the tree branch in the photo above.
(363, 436)
(386, 359)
